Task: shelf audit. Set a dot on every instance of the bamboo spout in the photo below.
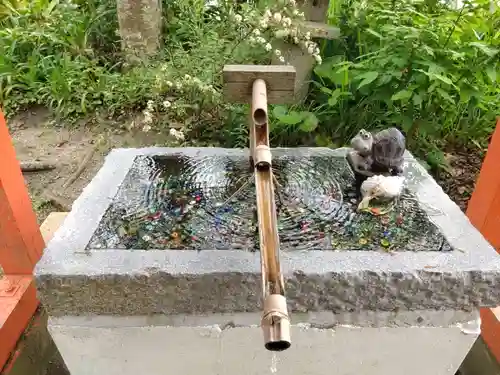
(275, 321)
(257, 85)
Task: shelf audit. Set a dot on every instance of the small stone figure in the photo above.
(380, 153)
(380, 187)
(362, 144)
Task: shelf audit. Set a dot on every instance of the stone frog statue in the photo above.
(381, 152)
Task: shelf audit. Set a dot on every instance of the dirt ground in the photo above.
(37, 138)
(459, 183)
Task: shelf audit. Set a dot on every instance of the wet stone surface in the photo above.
(200, 203)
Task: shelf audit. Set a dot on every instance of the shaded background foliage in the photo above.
(427, 67)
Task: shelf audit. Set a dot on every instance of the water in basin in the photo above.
(197, 203)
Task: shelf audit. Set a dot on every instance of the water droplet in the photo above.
(274, 363)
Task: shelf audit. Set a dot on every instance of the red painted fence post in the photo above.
(484, 213)
(21, 246)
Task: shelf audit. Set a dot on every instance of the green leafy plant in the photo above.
(65, 55)
(422, 66)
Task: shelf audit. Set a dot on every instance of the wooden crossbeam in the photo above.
(238, 81)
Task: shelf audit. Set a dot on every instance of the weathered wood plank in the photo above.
(51, 224)
(238, 81)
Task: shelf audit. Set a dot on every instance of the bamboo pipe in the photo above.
(275, 321)
(259, 102)
(261, 153)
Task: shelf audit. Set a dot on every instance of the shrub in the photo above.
(423, 67)
(66, 56)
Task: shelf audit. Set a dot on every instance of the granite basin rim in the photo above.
(464, 277)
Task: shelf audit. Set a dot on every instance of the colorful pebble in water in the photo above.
(180, 215)
(385, 242)
(399, 220)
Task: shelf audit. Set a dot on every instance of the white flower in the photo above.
(177, 134)
(238, 18)
(301, 15)
(178, 85)
(269, 47)
(169, 84)
(277, 52)
(308, 36)
(310, 50)
(148, 118)
(146, 128)
(296, 40)
(287, 21)
(281, 33)
(217, 18)
(167, 104)
(149, 105)
(256, 32)
(268, 14)
(295, 12)
(282, 59)
(263, 24)
(187, 77)
(277, 17)
(318, 59)
(252, 40)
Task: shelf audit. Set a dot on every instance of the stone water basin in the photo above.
(130, 230)
(197, 202)
(163, 233)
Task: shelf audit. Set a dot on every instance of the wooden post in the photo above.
(21, 243)
(21, 246)
(484, 213)
(36, 352)
(140, 24)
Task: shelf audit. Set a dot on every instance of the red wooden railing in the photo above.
(484, 213)
(21, 246)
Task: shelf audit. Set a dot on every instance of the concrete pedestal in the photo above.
(232, 344)
(129, 311)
